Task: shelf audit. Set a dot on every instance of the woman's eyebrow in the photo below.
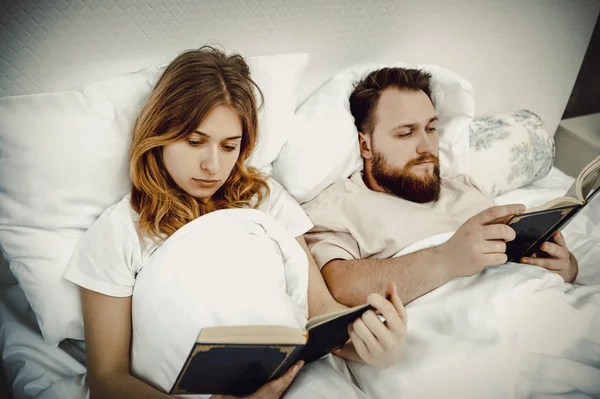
(207, 136)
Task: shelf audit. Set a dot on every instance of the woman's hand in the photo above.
(378, 343)
(273, 389)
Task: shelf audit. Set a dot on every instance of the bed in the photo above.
(37, 369)
(55, 48)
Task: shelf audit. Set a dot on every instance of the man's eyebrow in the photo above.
(206, 135)
(411, 125)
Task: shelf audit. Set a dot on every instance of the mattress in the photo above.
(37, 370)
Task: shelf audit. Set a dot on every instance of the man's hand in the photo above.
(558, 260)
(480, 241)
(378, 343)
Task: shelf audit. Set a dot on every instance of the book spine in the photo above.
(284, 366)
(182, 371)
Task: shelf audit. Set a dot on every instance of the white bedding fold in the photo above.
(33, 367)
(510, 331)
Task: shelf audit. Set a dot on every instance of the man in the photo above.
(399, 199)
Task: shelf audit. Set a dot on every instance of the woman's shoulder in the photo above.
(118, 220)
(275, 193)
(121, 212)
(274, 185)
(122, 220)
(283, 206)
(107, 257)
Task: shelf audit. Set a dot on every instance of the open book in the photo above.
(237, 360)
(538, 224)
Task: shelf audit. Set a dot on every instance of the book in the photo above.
(238, 360)
(537, 225)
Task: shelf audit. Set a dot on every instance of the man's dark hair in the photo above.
(365, 96)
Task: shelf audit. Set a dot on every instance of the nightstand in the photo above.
(577, 143)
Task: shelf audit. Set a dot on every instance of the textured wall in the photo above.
(517, 53)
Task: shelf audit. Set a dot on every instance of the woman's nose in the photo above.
(210, 162)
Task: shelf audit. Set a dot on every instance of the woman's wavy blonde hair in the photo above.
(193, 84)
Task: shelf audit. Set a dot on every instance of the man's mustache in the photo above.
(422, 159)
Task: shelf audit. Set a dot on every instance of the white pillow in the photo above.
(509, 150)
(277, 76)
(64, 159)
(323, 147)
(249, 271)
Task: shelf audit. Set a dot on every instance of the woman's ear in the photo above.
(364, 141)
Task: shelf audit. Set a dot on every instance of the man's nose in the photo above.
(425, 143)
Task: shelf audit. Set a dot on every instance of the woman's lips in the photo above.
(205, 182)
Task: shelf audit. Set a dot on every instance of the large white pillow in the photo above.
(323, 147)
(278, 77)
(64, 159)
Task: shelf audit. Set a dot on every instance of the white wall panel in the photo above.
(517, 54)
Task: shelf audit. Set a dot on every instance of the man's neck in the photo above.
(369, 181)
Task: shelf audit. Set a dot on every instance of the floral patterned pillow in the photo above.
(508, 151)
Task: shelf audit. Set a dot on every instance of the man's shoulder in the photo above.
(337, 193)
(463, 183)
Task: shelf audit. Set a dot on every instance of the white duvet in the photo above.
(512, 331)
(230, 267)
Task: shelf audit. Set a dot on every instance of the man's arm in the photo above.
(415, 274)
(478, 243)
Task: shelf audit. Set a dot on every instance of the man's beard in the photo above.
(403, 183)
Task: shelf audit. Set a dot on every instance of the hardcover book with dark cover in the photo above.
(238, 360)
(533, 229)
(537, 225)
(234, 369)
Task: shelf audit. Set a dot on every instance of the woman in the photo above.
(190, 144)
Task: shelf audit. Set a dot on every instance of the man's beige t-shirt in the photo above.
(353, 222)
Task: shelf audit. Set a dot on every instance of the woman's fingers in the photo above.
(367, 336)
(274, 389)
(359, 344)
(396, 301)
(393, 311)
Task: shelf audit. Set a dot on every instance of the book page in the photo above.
(555, 203)
(572, 192)
(252, 335)
(588, 179)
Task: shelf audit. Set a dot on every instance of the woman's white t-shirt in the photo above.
(110, 254)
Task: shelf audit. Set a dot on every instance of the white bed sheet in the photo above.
(511, 331)
(37, 370)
